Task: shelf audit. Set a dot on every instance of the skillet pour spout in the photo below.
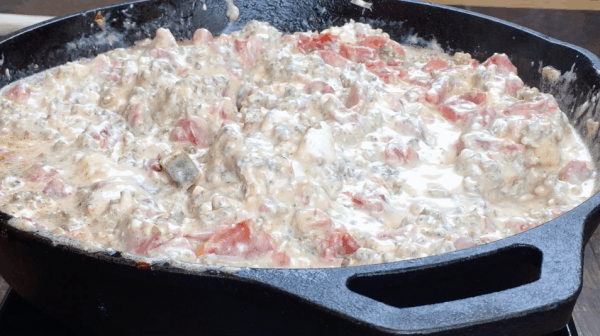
(526, 284)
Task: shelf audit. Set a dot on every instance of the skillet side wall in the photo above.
(110, 296)
(57, 279)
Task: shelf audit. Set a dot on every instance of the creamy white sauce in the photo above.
(265, 150)
(233, 13)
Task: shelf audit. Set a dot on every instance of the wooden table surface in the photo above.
(587, 309)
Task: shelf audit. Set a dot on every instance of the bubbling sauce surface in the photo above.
(267, 150)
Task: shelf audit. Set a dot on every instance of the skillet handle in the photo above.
(522, 285)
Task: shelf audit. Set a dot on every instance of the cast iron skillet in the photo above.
(523, 285)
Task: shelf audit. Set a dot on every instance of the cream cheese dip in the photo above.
(261, 149)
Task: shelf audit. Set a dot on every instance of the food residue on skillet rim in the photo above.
(261, 149)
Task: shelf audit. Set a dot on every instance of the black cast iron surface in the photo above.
(19, 318)
(523, 285)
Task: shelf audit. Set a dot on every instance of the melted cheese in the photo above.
(268, 150)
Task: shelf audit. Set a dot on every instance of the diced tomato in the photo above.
(513, 84)
(304, 42)
(320, 87)
(359, 199)
(239, 240)
(333, 59)
(240, 45)
(189, 130)
(19, 93)
(374, 42)
(143, 246)
(40, 173)
(513, 148)
(357, 54)
(202, 36)
(280, 258)
(463, 243)
(325, 40)
(575, 171)
(57, 188)
(457, 110)
(321, 219)
(367, 204)
(375, 66)
(341, 243)
(394, 62)
(225, 240)
(309, 42)
(248, 50)
(435, 64)
(260, 244)
(388, 74)
(201, 236)
(546, 105)
(504, 65)
(411, 154)
(181, 243)
(396, 47)
(153, 166)
(156, 166)
(478, 98)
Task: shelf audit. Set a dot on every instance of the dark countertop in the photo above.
(581, 28)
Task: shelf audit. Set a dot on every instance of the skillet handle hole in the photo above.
(502, 270)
